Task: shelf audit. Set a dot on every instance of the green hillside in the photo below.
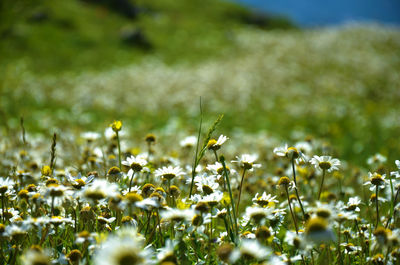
(54, 36)
(72, 69)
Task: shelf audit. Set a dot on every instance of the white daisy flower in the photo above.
(246, 161)
(264, 199)
(376, 180)
(213, 198)
(317, 231)
(325, 163)
(90, 136)
(148, 203)
(169, 172)
(396, 174)
(189, 141)
(6, 185)
(33, 257)
(251, 249)
(78, 181)
(350, 248)
(100, 189)
(216, 144)
(178, 215)
(166, 253)
(293, 239)
(206, 183)
(217, 168)
(353, 203)
(136, 164)
(290, 152)
(123, 248)
(376, 159)
(257, 213)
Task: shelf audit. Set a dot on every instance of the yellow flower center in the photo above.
(169, 176)
(116, 126)
(377, 180)
(211, 143)
(207, 189)
(325, 165)
(136, 167)
(316, 224)
(133, 197)
(292, 152)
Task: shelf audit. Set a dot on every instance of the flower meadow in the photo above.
(113, 197)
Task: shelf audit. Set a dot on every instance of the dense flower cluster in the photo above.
(268, 207)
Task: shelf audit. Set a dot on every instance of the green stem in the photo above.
(322, 183)
(52, 206)
(240, 192)
(291, 211)
(3, 206)
(211, 226)
(340, 188)
(216, 156)
(195, 162)
(148, 223)
(148, 151)
(119, 151)
(222, 159)
(394, 211)
(130, 183)
(312, 257)
(159, 227)
(228, 230)
(169, 192)
(297, 192)
(338, 247)
(377, 206)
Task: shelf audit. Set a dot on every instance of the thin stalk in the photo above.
(148, 150)
(240, 192)
(340, 188)
(171, 230)
(360, 237)
(52, 206)
(159, 227)
(217, 160)
(216, 156)
(197, 151)
(297, 192)
(394, 211)
(222, 159)
(291, 211)
(119, 151)
(312, 257)
(169, 192)
(391, 193)
(322, 183)
(130, 183)
(53, 152)
(228, 230)
(3, 206)
(211, 226)
(148, 223)
(23, 131)
(329, 253)
(232, 224)
(377, 206)
(338, 247)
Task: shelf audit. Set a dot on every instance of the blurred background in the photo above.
(326, 13)
(294, 69)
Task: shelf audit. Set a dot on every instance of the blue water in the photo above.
(329, 12)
